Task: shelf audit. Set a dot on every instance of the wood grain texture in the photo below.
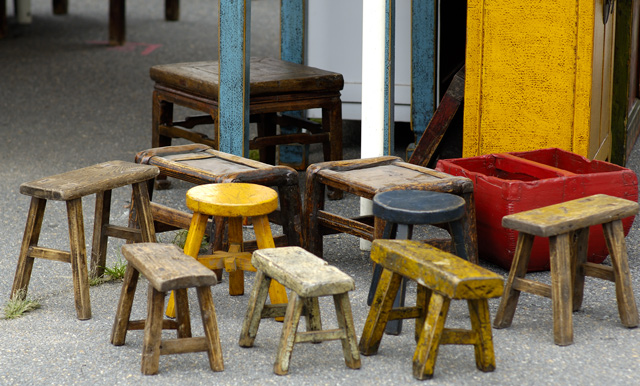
(302, 272)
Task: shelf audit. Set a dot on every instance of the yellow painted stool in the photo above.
(235, 201)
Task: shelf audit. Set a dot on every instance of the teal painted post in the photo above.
(423, 66)
(292, 36)
(233, 95)
(389, 77)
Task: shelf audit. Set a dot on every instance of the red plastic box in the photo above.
(514, 182)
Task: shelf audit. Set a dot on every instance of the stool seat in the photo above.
(89, 180)
(302, 272)
(418, 207)
(268, 76)
(232, 200)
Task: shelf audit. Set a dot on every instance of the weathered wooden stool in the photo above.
(401, 210)
(309, 277)
(167, 269)
(441, 277)
(367, 177)
(567, 227)
(200, 164)
(71, 187)
(276, 86)
(233, 201)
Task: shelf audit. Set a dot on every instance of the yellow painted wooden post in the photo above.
(538, 75)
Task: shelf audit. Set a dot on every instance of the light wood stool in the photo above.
(167, 269)
(308, 277)
(567, 227)
(441, 277)
(71, 187)
(233, 201)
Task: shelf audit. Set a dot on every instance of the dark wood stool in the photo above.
(440, 277)
(276, 86)
(308, 277)
(200, 164)
(235, 202)
(167, 269)
(567, 227)
(367, 177)
(401, 210)
(71, 187)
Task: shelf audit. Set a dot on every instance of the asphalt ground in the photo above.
(67, 101)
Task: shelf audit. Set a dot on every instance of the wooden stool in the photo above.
(367, 177)
(71, 187)
(233, 201)
(401, 210)
(308, 277)
(441, 277)
(200, 164)
(276, 86)
(567, 227)
(167, 269)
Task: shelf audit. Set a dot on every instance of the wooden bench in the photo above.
(70, 187)
(441, 277)
(567, 227)
(308, 277)
(167, 268)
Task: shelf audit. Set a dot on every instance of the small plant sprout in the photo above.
(19, 304)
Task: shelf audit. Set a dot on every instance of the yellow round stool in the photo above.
(234, 201)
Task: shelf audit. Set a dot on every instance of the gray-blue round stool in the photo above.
(401, 210)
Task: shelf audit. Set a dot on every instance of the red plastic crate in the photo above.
(514, 182)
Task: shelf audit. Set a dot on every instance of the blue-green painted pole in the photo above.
(233, 98)
(423, 66)
(389, 76)
(292, 37)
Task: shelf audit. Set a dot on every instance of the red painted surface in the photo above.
(515, 182)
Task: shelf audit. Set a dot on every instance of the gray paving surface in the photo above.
(67, 102)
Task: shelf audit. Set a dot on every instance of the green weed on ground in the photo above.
(19, 304)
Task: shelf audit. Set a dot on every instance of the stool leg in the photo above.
(142, 206)
(509, 301)
(469, 228)
(388, 232)
(579, 249)
(456, 229)
(394, 327)
(262, 229)
(79, 259)
(288, 337)
(123, 312)
(345, 323)
(267, 128)
(290, 212)
(183, 318)
(161, 114)
(210, 324)
(614, 235)
(481, 325)
(152, 332)
(30, 238)
(191, 247)
(424, 358)
(561, 293)
(332, 119)
(314, 201)
(236, 278)
(314, 319)
(257, 299)
(99, 244)
(423, 297)
(379, 312)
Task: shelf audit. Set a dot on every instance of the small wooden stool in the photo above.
(71, 187)
(167, 269)
(233, 201)
(308, 277)
(441, 277)
(200, 164)
(567, 227)
(401, 210)
(367, 177)
(276, 86)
